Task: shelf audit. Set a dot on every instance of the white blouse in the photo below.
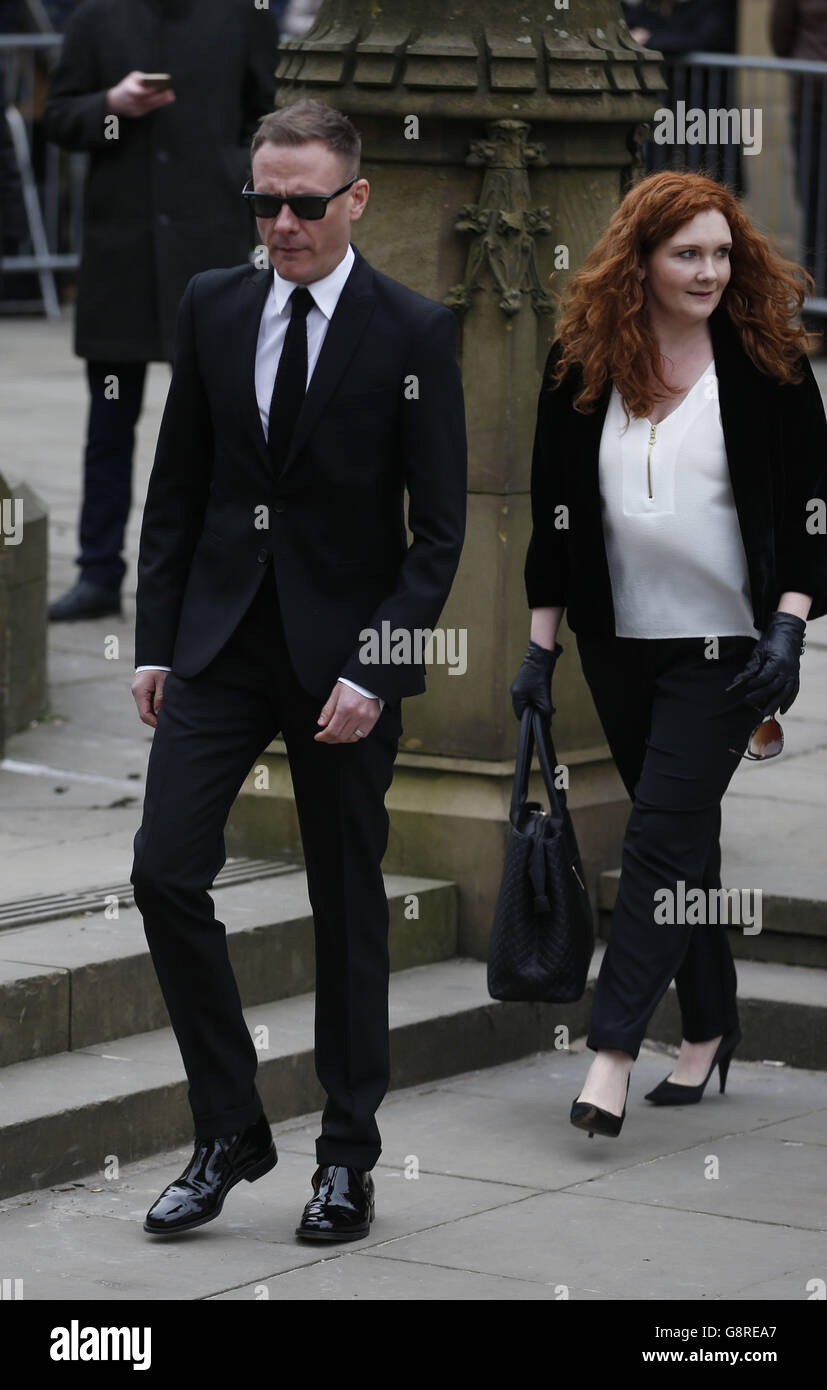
(676, 557)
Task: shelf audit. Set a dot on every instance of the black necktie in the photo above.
(291, 379)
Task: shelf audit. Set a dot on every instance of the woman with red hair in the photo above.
(678, 504)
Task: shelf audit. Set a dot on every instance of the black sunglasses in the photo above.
(310, 207)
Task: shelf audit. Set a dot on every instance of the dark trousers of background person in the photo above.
(211, 728)
(670, 727)
(107, 468)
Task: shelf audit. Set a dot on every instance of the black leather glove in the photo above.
(769, 680)
(532, 683)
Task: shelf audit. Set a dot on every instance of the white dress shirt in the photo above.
(676, 559)
(275, 319)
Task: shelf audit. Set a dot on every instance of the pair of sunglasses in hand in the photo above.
(765, 741)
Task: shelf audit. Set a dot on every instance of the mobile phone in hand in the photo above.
(157, 81)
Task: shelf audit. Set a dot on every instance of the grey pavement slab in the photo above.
(449, 1128)
(348, 1278)
(516, 1205)
(615, 1249)
(104, 705)
(809, 1128)
(95, 1239)
(730, 1175)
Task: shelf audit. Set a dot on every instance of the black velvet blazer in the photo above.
(776, 444)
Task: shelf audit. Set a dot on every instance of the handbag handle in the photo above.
(533, 730)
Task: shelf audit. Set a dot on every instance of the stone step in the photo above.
(76, 981)
(70, 1115)
(49, 907)
(793, 929)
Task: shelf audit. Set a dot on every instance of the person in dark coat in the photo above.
(798, 29)
(12, 214)
(681, 26)
(675, 27)
(161, 204)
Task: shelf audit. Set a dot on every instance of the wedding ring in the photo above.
(359, 733)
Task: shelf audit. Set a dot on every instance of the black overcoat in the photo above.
(776, 445)
(163, 200)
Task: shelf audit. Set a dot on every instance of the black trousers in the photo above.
(107, 469)
(210, 730)
(671, 728)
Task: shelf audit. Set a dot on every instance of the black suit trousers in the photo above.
(211, 728)
(671, 728)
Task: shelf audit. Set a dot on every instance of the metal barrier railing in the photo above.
(785, 189)
(52, 203)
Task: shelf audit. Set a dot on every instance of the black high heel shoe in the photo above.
(673, 1093)
(584, 1115)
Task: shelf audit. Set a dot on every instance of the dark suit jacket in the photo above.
(336, 514)
(776, 445)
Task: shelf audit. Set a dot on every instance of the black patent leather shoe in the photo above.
(342, 1206)
(216, 1165)
(85, 600)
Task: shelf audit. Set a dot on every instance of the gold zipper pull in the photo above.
(649, 457)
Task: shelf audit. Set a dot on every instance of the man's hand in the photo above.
(148, 690)
(132, 98)
(640, 35)
(344, 713)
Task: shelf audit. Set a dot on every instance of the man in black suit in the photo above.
(273, 545)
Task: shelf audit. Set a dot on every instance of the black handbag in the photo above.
(543, 935)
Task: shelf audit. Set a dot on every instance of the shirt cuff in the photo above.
(153, 668)
(362, 691)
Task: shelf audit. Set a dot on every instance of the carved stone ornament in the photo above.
(503, 221)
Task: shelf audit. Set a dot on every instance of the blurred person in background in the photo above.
(59, 12)
(15, 18)
(12, 215)
(681, 26)
(297, 16)
(161, 203)
(674, 27)
(798, 29)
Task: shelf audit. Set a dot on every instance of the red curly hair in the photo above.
(602, 328)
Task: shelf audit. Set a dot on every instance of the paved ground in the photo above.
(718, 1201)
(510, 1201)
